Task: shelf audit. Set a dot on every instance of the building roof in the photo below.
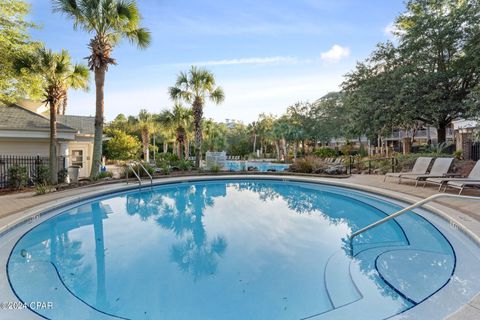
(84, 125)
(17, 118)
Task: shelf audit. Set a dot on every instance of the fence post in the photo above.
(369, 166)
(393, 165)
(350, 165)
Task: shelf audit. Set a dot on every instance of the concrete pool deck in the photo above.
(465, 215)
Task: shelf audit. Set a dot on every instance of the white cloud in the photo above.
(335, 54)
(390, 30)
(254, 60)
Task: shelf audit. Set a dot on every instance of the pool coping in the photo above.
(455, 218)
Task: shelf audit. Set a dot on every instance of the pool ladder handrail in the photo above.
(413, 206)
(137, 175)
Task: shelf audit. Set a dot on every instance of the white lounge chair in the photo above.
(473, 176)
(420, 167)
(440, 169)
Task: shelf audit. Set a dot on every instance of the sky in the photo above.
(265, 54)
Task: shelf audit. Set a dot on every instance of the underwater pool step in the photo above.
(379, 300)
(49, 286)
(338, 282)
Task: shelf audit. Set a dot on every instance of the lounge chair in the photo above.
(473, 176)
(463, 184)
(420, 167)
(440, 169)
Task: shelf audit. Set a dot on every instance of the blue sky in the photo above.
(265, 54)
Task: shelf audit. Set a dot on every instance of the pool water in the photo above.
(255, 166)
(230, 249)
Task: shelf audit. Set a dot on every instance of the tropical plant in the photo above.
(180, 120)
(109, 21)
(145, 123)
(58, 74)
(195, 87)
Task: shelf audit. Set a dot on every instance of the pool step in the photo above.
(338, 282)
(48, 287)
(378, 300)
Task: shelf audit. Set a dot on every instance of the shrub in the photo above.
(103, 175)
(307, 165)
(43, 175)
(215, 168)
(362, 151)
(325, 152)
(458, 154)
(168, 159)
(121, 146)
(62, 175)
(41, 188)
(185, 165)
(17, 177)
(166, 169)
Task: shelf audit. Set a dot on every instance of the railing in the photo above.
(138, 175)
(31, 163)
(413, 206)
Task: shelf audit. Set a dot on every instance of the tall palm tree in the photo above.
(109, 21)
(146, 124)
(194, 87)
(180, 119)
(58, 74)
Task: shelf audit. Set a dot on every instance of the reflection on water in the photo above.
(240, 241)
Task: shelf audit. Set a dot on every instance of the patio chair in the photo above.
(420, 167)
(473, 176)
(463, 184)
(440, 169)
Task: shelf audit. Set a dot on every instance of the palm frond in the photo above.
(217, 95)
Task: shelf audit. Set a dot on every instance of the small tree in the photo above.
(121, 146)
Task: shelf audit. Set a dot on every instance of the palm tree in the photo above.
(109, 21)
(194, 87)
(179, 119)
(146, 124)
(57, 74)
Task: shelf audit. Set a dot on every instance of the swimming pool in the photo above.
(255, 166)
(241, 249)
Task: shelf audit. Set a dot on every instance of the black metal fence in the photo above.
(31, 163)
(476, 151)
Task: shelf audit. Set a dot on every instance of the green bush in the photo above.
(170, 159)
(121, 146)
(166, 169)
(307, 165)
(185, 165)
(62, 175)
(43, 175)
(215, 168)
(325, 152)
(17, 177)
(103, 175)
(41, 188)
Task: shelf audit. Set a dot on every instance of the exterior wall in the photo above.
(24, 148)
(87, 148)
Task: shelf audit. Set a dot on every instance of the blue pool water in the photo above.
(257, 166)
(230, 249)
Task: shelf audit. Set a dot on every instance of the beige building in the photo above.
(25, 131)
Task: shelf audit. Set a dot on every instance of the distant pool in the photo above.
(260, 166)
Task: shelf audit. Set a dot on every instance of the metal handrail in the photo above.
(413, 206)
(135, 173)
(146, 171)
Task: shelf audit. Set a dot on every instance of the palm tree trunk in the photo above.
(197, 118)
(254, 143)
(53, 165)
(277, 148)
(165, 146)
(146, 144)
(187, 147)
(99, 111)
